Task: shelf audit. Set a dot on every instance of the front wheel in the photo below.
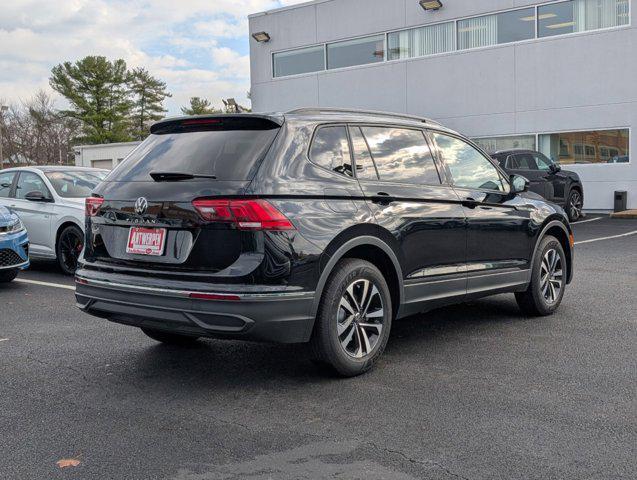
(68, 249)
(354, 318)
(574, 205)
(8, 275)
(548, 279)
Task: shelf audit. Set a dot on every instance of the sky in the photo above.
(198, 47)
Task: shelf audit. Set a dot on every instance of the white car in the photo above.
(50, 203)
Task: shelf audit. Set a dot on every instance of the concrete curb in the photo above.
(624, 214)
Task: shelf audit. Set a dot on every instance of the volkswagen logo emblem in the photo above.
(141, 205)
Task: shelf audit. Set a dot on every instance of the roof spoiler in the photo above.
(234, 121)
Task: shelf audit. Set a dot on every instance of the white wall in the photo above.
(576, 82)
(103, 156)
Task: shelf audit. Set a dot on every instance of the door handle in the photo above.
(382, 198)
(470, 202)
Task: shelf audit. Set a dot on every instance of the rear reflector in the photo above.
(214, 296)
(93, 205)
(245, 214)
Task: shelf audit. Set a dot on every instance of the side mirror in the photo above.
(519, 184)
(555, 167)
(36, 196)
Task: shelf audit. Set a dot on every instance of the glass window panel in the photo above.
(469, 168)
(356, 52)
(401, 155)
(330, 149)
(6, 180)
(365, 169)
(581, 15)
(30, 182)
(599, 146)
(295, 62)
(418, 42)
(494, 29)
(495, 144)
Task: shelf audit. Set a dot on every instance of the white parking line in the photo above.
(589, 220)
(45, 284)
(607, 238)
(3, 339)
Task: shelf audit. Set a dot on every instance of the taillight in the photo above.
(93, 205)
(245, 214)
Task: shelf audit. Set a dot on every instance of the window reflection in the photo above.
(495, 29)
(330, 149)
(295, 62)
(598, 146)
(356, 52)
(581, 15)
(365, 169)
(401, 155)
(469, 168)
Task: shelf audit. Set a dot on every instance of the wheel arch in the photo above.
(68, 222)
(557, 229)
(376, 251)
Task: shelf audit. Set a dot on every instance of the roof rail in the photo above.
(376, 113)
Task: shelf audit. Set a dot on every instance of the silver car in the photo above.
(50, 202)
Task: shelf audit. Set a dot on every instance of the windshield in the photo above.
(226, 154)
(75, 184)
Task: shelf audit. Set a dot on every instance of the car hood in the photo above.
(6, 216)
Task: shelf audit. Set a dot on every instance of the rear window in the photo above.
(227, 149)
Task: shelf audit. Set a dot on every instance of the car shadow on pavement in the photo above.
(215, 363)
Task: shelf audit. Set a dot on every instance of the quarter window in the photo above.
(330, 149)
(30, 182)
(6, 180)
(469, 168)
(401, 155)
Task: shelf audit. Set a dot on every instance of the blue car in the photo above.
(14, 245)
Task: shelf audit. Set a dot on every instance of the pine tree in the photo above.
(97, 91)
(199, 106)
(148, 96)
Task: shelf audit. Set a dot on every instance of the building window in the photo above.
(598, 146)
(356, 52)
(294, 62)
(418, 42)
(581, 15)
(330, 150)
(494, 144)
(503, 27)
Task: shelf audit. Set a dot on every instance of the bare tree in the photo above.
(34, 132)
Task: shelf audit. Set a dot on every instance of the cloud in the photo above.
(198, 47)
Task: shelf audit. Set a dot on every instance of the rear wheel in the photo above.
(8, 275)
(574, 205)
(354, 318)
(68, 249)
(169, 338)
(548, 279)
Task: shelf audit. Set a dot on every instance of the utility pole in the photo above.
(3, 108)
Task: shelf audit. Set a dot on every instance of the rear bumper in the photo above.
(271, 316)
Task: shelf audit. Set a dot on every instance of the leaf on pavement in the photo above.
(68, 462)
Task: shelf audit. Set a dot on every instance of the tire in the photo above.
(574, 205)
(170, 338)
(68, 249)
(8, 275)
(544, 295)
(355, 302)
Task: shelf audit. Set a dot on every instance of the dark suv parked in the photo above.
(318, 226)
(545, 178)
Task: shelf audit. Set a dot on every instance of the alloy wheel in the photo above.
(551, 276)
(575, 205)
(360, 318)
(71, 245)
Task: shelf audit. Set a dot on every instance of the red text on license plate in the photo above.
(146, 241)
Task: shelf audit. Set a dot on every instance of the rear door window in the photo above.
(365, 169)
(230, 149)
(330, 150)
(401, 155)
(6, 180)
(31, 182)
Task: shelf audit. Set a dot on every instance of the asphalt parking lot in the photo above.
(475, 391)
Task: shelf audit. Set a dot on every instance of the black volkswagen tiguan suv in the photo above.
(546, 178)
(320, 226)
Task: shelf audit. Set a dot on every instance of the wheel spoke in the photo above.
(348, 338)
(350, 291)
(359, 344)
(380, 313)
(369, 299)
(363, 334)
(343, 326)
(376, 326)
(345, 303)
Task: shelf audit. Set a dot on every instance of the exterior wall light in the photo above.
(261, 37)
(431, 4)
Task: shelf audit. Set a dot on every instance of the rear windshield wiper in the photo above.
(177, 176)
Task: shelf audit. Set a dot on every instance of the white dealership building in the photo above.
(557, 76)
